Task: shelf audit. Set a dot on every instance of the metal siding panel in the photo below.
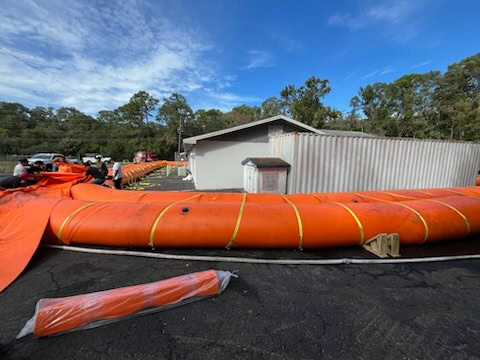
(335, 163)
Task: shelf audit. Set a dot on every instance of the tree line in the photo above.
(431, 105)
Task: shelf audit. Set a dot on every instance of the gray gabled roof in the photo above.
(193, 140)
(266, 162)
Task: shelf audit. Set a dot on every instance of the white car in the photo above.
(45, 157)
(92, 158)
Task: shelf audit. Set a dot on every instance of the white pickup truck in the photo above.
(46, 158)
(93, 160)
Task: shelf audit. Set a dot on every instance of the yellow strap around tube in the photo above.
(419, 216)
(70, 217)
(155, 223)
(299, 220)
(423, 192)
(237, 225)
(454, 192)
(398, 195)
(411, 209)
(357, 220)
(371, 198)
(467, 223)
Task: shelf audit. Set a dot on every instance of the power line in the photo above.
(51, 77)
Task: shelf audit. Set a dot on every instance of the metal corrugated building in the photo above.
(215, 158)
(322, 163)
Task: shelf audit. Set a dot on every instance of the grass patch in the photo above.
(6, 167)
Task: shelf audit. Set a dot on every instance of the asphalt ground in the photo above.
(403, 311)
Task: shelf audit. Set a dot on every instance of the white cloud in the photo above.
(387, 70)
(396, 17)
(351, 75)
(106, 50)
(369, 75)
(425, 63)
(379, 72)
(223, 101)
(232, 98)
(286, 41)
(259, 59)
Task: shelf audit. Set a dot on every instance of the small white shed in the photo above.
(265, 175)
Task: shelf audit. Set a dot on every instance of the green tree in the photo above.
(206, 121)
(272, 107)
(177, 116)
(138, 110)
(305, 103)
(242, 114)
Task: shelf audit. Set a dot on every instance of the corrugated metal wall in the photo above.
(322, 163)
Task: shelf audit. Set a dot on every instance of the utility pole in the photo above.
(146, 124)
(179, 137)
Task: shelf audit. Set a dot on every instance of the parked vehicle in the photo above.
(145, 156)
(92, 157)
(46, 158)
(73, 160)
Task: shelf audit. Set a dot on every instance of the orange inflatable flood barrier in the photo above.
(87, 214)
(261, 220)
(54, 316)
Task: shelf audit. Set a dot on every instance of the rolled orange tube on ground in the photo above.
(54, 316)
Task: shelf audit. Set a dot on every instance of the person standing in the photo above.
(117, 175)
(20, 167)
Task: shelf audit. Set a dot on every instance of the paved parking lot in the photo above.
(419, 311)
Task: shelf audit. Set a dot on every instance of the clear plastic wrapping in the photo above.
(59, 315)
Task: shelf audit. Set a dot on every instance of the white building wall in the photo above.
(217, 164)
(191, 162)
(322, 163)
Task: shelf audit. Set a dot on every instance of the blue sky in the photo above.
(221, 54)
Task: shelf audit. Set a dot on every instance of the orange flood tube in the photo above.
(54, 316)
(260, 221)
(92, 215)
(89, 192)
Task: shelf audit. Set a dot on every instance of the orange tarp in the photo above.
(23, 218)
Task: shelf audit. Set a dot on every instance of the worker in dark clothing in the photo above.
(101, 165)
(99, 178)
(37, 167)
(12, 182)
